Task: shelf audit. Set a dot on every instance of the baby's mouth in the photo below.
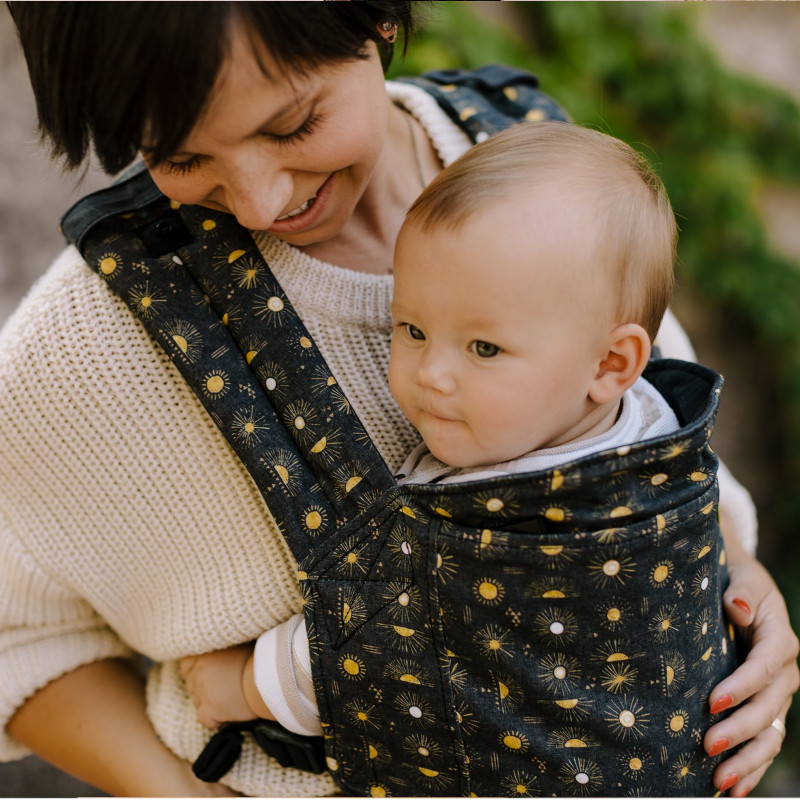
(299, 210)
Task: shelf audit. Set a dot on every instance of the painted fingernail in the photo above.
(743, 604)
(721, 703)
(728, 782)
(719, 746)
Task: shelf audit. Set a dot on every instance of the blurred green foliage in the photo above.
(641, 72)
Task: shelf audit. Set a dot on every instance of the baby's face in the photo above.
(499, 329)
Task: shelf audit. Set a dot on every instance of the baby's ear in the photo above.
(625, 360)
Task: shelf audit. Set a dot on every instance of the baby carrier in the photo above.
(554, 633)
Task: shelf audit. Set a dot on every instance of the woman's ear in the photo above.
(625, 360)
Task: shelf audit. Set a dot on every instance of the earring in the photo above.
(389, 31)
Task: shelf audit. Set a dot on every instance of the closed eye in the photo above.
(298, 134)
(183, 167)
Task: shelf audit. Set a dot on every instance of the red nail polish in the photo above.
(719, 746)
(739, 603)
(721, 703)
(728, 782)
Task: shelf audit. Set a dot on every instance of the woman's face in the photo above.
(291, 153)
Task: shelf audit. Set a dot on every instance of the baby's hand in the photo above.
(214, 681)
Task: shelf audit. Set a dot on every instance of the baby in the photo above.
(530, 280)
(531, 277)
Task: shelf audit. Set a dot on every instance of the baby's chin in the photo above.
(461, 459)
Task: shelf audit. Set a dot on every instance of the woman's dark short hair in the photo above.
(104, 74)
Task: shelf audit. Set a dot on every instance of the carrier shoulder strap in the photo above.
(489, 99)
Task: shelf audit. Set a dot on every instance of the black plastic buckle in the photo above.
(165, 234)
(289, 749)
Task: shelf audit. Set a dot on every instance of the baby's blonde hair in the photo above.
(636, 227)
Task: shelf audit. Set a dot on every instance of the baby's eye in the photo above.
(414, 332)
(485, 349)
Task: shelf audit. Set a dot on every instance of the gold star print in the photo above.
(573, 709)
(661, 574)
(247, 273)
(300, 418)
(514, 740)
(362, 714)
(274, 379)
(216, 384)
(248, 427)
(682, 770)
(488, 591)
(677, 723)
(627, 718)
(559, 673)
(405, 639)
(415, 709)
(315, 519)
(499, 502)
(459, 677)
(347, 477)
(407, 671)
(286, 465)
(613, 569)
(581, 777)
(403, 602)
(269, 308)
(352, 555)
(556, 626)
(618, 677)
(446, 567)
(553, 587)
(508, 693)
(186, 337)
(673, 671)
(701, 582)
(570, 737)
(554, 556)
(403, 545)
(419, 746)
(519, 784)
(351, 609)
(664, 624)
(635, 763)
(352, 667)
(492, 641)
(703, 625)
(145, 301)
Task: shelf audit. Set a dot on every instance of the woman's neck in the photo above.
(407, 163)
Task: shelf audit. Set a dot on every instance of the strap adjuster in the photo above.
(306, 753)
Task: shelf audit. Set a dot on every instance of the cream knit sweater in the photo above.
(126, 520)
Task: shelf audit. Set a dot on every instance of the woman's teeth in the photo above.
(298, 210)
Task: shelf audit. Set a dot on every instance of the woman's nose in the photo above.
(258, 197)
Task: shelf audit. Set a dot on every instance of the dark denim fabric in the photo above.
(556, 633)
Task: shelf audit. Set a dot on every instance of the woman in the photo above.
(151, 535)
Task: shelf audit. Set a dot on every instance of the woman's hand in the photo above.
(766, 680)
(214, 681)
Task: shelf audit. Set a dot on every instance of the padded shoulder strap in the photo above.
(134, 191)
(490, 99)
